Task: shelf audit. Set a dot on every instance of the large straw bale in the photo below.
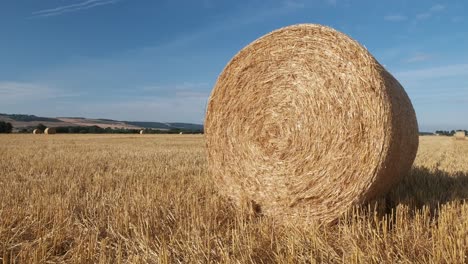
(37, 131)
(304, 123)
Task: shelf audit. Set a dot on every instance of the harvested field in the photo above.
(127, 198)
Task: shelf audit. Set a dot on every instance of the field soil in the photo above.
(149, 199)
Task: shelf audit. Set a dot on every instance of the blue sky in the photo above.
(158, 60)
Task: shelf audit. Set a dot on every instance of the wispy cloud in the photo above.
(418, 57)
(180, 90)
(457, 19)
(294, 4)
(72, 8)
(422, 16)
(151, 108)
(437, 8)
(434, 72)
(332, 2)
(395, 18)
(429, 13)
(14, 92)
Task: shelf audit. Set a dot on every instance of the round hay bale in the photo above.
(459, 135)
(50, 130)
(304, 123)
(142, 132)
(37, 131)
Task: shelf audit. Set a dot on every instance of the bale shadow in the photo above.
(424, 187)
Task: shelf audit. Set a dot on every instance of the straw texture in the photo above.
(37, 131)
(460, 135)
(304, 123)
(50, 130)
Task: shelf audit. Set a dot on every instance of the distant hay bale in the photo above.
(181, 133)
(50, 131)
(304, 123)
(142, 132)
(37, 131)
(459, 135)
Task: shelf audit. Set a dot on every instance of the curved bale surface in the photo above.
(304, 123)
(142, 132)
(50, 130)
(37, 131)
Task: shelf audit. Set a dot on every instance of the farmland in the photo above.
(149, 199)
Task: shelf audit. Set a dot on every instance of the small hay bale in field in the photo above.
(181, 133)
(142, 132)
(304, 123)
(459, 135)
(50, 131)
(37, 131)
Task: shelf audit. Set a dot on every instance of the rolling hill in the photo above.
(26, 121)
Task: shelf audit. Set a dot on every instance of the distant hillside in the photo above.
(187, 126)
(155, 125)
(102, 123)
(159, 125)
(29, 118)
(26, 121)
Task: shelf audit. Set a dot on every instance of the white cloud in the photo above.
(179, 102)
(422, 16)
(192, 94)
(72, 8)
(185, 102)
(395, 18)
(185, 86)
(434, 72)
(418, 57)
(14, 92)
(176, 109)
(437, 8)
(433, 10)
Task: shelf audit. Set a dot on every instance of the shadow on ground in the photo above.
(424, 187)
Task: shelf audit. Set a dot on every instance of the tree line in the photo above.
(108, 130)
(449, 133)
(5, 127)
